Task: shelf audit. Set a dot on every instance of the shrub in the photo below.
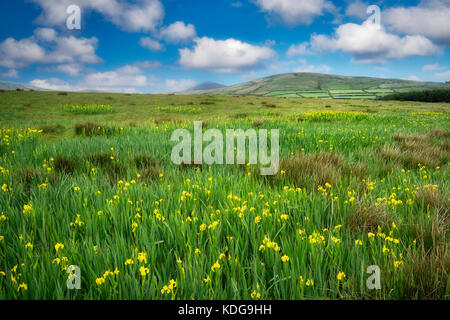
(440, 95)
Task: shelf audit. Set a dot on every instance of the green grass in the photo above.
(89, 109)
(350, 193)
(337, 94)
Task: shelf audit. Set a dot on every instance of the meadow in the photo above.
(361, 183)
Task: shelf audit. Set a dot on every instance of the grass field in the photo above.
(359, 184)
(337, 94)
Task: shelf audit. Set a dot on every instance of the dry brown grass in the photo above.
(258, 123)
(433, 198)
(426, 274)
(317, 169)
(367, 218)
(430, 149)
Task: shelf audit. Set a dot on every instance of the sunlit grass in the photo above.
(350, 193)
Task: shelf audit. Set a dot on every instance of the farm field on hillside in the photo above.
(336, 94)
(86, 179)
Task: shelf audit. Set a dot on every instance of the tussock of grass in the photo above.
(429, 149)
(65, 165)
(367, 218)
(317, 169)
(52, 128)
(100, 159)
(144, 161)
(258, 123)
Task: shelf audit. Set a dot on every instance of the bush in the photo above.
(441, 95)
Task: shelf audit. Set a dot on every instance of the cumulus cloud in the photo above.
(179, 85)
(371, 43)
(224, 56)
(46, 34)
(140, 15)
(298, 49)
(413, 78)
(70, 69)
(431, 18)
(295, 12)
(127, 76)
(19, 54)
(299, 65)
(178, 32)
(432, 67)
(305, 67)
(443, 75)
(52, 84)
(357, 9)
(46, 47)
(11, 73)
(151, 44)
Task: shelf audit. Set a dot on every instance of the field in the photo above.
(368, 94)
(361, 183)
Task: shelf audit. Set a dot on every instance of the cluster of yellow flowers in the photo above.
(169, 289)
(108, 273)
(89, 108)
(8, 136)
(267, 243)
(77, 223)
(308, 283)
(27, 209)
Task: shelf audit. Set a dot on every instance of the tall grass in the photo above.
(140, 227)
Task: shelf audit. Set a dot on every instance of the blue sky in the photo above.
(170, 45)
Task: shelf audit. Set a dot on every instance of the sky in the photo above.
(156, 46)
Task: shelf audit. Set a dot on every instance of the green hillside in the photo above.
(315, 85)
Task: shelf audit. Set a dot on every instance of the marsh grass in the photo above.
(346, 200)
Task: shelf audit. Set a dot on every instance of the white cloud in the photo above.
(224, 56)
(53, 84)
(298, 49)
(370, 43)
(179, 85)
(178, 32)
(413, 78)
(443, 75)
(150, 44)
(127, 76)
(305, 67)
(299, 65)
(295, 12)
(46, 47)
(11, 73)
(45, 34)
(140, 15)
(70, 69)
(431, 18)
(19, 54)
(128, 79)
(357, 9)
(432, 68)
(71, 49)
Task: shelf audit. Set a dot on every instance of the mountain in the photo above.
(207, 86)
(304, 82)
(6, 85)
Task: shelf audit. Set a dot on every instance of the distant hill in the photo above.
(207, 86)
(322, 85)
(204, 86)
(6, 85)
